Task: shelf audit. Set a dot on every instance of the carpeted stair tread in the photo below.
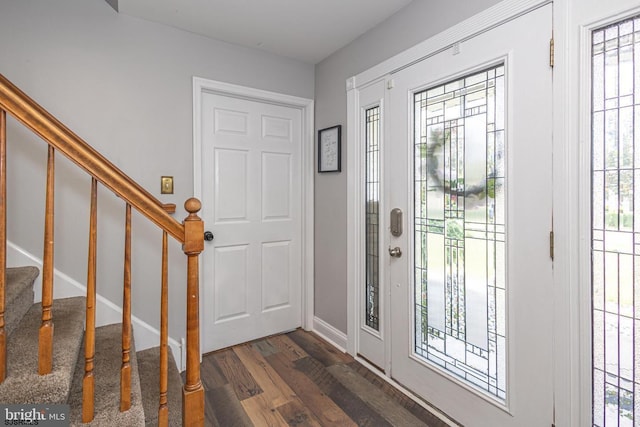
(149, 367)
(23, 384)
(108, 360)
(19, 295)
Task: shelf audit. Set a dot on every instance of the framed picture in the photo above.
(329, 149)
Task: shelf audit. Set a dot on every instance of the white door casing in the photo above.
(252, 160)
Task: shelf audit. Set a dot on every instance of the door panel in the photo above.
(252, 204)
(471, 325)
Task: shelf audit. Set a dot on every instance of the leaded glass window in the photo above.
(372, 192)
(615, 232)
(460, 286)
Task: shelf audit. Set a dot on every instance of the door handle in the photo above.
(395, 252)
(208, 236)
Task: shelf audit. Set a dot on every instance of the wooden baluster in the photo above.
(90, 332)
(125, 370)
(45, 339)
(3, 240)
(163, 409)
(193, 392)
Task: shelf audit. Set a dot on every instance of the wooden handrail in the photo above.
(36, 118)
(189, 233)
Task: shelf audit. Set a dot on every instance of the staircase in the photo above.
(23, 384)
(52, 352)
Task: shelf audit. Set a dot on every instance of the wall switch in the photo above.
(166, 183)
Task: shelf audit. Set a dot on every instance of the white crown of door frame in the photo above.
(306, 106)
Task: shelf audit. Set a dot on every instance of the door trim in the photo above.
(306, 106)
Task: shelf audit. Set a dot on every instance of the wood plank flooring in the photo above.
(297, 379)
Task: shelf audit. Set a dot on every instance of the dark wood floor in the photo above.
(297, 379)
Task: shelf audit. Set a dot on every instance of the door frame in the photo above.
(492, 17)
(306, 107)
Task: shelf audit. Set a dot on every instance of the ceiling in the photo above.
(306, 30)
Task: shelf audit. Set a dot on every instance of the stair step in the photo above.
(19, 295)
(149, 367)
(23, 384)
(108, 360)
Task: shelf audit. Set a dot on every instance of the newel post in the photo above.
(193, 392)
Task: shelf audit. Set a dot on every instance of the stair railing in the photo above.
(189, 234)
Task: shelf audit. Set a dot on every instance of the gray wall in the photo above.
(418, 21)
(125, 86)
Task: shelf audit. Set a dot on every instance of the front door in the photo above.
(251, 194)
(468, 161)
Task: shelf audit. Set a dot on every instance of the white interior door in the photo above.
(251, 196)
(470, 167)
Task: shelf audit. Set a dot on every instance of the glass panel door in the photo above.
(471, 330)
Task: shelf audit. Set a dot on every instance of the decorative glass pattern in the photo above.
(460, 286)
(372, 164)
(615, 256)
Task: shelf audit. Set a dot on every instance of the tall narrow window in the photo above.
(615, 257)
(372, 194)
(460, 286)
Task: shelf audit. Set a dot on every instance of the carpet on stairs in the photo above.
(108, 360)
(19, 295)
(149, 368)
(23, 383)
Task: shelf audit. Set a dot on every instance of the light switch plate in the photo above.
(166, 183)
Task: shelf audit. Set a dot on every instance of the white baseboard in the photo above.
(334, 336)
(107, 313)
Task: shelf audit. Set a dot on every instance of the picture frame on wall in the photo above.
(329, 149)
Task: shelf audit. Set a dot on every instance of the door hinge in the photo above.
(551, 245)
(551, 52)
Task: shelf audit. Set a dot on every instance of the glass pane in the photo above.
(372, 194)
(459, 164)
(615, 247)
